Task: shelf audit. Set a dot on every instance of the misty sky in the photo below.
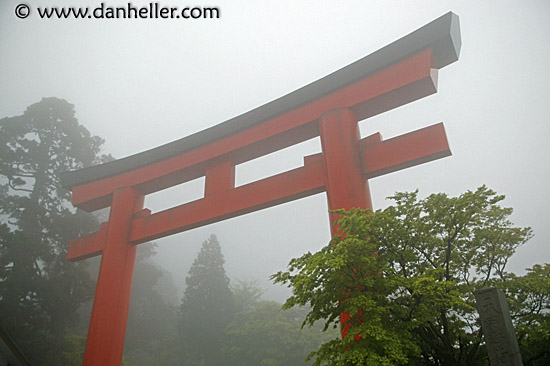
(142, 83)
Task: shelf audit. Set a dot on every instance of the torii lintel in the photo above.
(404, 71)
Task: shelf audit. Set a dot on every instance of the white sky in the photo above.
(143, 83)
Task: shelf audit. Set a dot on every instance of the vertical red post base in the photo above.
(105, 342)
(345, 186)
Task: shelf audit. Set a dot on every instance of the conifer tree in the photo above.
(206, 309)
(40, 292)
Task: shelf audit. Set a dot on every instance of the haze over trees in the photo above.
(206, 308)
(219, 324)
(152, 308)
(45, 300)
(407, 275)
(40, 292)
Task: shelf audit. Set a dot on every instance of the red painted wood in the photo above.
(88, 246)
(414, 148)
(403, 82)
(223, 201)
(214, 207)
(105, 342)
(345, 186)
(220, 177)
(342, 170)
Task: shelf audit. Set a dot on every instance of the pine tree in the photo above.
(207, 307)
(40, 291)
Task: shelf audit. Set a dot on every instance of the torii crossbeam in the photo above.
(331, 107)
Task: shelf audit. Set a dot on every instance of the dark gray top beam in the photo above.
(442, 35)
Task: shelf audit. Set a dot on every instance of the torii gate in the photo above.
(331, 107)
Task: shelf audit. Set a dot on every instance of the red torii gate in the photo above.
(331, 107)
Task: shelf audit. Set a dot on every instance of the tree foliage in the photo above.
(207, 307)
(40, 291)
(406, 275)
(150, 318)
(529, 299)
(263, 335)
(246, 295)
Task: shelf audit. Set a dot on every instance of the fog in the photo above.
(142, 83)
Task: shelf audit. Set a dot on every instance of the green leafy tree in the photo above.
(407, 276)
(529, 300)
(40, 291)
(207, 307)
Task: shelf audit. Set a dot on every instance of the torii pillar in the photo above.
(331, 107)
